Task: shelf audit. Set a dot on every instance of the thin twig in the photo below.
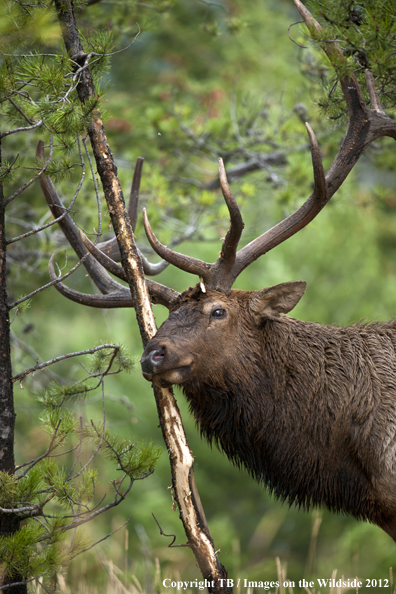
(50, 284)
(29, 121)
(208, 3)
(39, 174)
(291, 38)
(101, 437)
(110, 505)
(102, 539)
(171, 545)
(99, 233)
(76, 459)
(48, 451)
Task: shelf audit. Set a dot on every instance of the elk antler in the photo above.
(110, 247)
(213, 275)
(364, 126)
(160, 293)
(113, 293)
(222, 274)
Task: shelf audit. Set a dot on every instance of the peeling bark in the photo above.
(181, 459)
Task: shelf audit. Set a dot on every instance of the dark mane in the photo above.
(289, 422)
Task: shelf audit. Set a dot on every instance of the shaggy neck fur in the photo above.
(309, 420)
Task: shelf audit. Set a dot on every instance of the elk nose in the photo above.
(151, 361)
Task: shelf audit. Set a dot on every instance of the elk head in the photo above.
(212, 333)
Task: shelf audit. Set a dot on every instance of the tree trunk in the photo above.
(9, 523)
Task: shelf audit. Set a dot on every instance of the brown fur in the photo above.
(309, 410)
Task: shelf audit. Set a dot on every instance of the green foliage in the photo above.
(102, 359)
(30, 484)
(18, 552)
(49, 98)
(365, 33)
(55, 395)
(58, 421)
(53, 498)
(7, 489)
(136, 460)
(24, 306)
(60, 169)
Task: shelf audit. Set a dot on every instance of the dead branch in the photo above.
(191, 511)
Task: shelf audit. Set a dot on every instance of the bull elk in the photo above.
(308, 409)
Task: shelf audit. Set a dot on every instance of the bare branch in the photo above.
(22, 129)
(374, 99)
(40, 366)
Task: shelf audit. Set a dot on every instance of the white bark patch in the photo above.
(183, 464)
(5, 433)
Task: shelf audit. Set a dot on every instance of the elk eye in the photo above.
(219, 312)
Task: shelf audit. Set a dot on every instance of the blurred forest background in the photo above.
(202, 79)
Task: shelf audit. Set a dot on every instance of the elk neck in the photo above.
(288, 412)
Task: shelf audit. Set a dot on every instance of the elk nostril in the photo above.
(157, 355)
(152, 361)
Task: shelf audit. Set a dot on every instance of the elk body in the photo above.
(309, 410)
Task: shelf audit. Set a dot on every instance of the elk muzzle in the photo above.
(162, 364)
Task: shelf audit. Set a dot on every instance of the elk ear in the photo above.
(272, 301)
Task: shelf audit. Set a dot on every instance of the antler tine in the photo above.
(160, 294)
(213, 275)
(114, 294)
(120, 298)
(152, 269)
(133, 208)
(234, 233)
(372, 91)
(110, 247)
(293, 223)
(320, 190)
(186, 263)
(108, 263)
(111, 250)
(98, 274)
(133, 205)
